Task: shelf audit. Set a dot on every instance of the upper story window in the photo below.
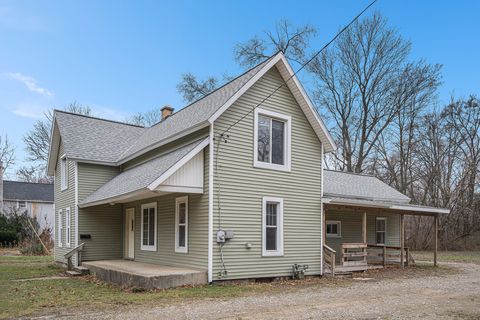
(272, 138)
(63, 173)
(22, 205)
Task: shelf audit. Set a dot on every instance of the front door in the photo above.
(130, 233)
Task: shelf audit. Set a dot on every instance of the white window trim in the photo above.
(63, 175)
(288, 139)
(178, 201)
(60, 229)
(279, 251)
(68, 227)
(339, 228)
(147, 247)
(385, 232)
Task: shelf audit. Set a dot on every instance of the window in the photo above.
(149, 227)
(63, 173)
(272, 225)
(181, 224)
(60, 229)
(67, 227)
(22, 205)
(333, 229)
(380, 229)
(272, 140)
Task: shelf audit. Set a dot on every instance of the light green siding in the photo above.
(197, 229)
(240, 187)
(351, 228)
(63, 200)
(103, 223)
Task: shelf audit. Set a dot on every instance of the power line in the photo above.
(299, 69)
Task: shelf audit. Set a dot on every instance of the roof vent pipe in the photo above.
(167, 111)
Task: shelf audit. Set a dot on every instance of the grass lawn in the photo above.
(449, 256)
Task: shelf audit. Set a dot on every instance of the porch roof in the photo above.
(405, 208)
(143, 180)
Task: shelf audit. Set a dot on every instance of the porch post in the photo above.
(324, 224)
(435, 227)
(364, 227)
(402, 240)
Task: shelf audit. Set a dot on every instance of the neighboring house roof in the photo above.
(339, 184)
(26, 191)
(145, 177)
(112, 143)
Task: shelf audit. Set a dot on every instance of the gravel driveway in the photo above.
(455, 295)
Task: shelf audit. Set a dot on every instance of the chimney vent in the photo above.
(167, 111)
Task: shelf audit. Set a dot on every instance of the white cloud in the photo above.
(30, 110)
(30, 83)
(109, 113)
(13, 19)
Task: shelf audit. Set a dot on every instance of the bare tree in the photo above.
(7, 152)
(292, 41)
(146, 119)
(193, 89)
(32, 174)
(37, 140)
(363, 83)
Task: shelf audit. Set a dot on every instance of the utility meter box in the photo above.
(224, 235)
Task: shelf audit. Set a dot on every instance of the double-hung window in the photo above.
(60, 228)
(67, 227)
(334, 229)
(63, 173)
(181, 224)
(149, 227)
(272, 136)
(380, 230)
(272, 225)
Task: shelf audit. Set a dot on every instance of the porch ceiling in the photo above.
(399, 208)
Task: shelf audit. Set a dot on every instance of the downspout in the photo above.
(76, 209)
(1, 187)
(210, 205)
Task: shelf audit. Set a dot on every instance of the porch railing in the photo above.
(388, 254)
(354, 254)
(329, 258)
(78, 249)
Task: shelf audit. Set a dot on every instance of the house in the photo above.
(34, 198)
(231, 186)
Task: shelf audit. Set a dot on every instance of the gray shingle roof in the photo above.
(25, 191)
(96, 139)
(338, 184)
(192, 115)
(139, 177)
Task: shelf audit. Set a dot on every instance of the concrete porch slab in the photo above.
(132, 274)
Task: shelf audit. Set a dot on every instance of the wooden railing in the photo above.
(389, 254)
(354, 254)
(329, 258)
(78, 249)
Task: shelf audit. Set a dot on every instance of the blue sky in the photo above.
(122, 57)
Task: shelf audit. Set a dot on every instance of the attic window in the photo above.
(63, 173)
(272, 135)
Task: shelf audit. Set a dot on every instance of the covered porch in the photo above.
(362, 235)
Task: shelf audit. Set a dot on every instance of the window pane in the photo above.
(278, 142)
(151, 227)
(181, 236)
(271, 238)
(271, 214)
(263, 139)
(181, 213)
(381, 237)
(380, 225)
